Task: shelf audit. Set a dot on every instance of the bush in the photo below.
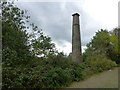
(78, 72)
(57, 77)
(99, 63)
(53, 72)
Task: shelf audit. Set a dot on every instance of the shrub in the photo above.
(57, 77)
(99, 63)
(53, 72)
(78, 72)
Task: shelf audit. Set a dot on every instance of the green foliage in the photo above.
(99, 63)
(101, 52)
(61, 71)
(100, 43)
(21, 49)
(46, 73)
(115, 56)
(78, 72)
(30, 60)
(103, 43)
(41, 45)
(15, 46)
(57, 77)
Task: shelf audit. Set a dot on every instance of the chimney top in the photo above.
(75, 14)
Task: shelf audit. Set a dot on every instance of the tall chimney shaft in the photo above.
(76, 39)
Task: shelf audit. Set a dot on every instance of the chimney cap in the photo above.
(75, 14)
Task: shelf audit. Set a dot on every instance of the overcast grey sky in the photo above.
(55, 18)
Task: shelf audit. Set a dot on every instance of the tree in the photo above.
(20, 48)
(18, 44)
(105, 43)
(41, 45)
(15, 46)
(114, 40)
(100, 43)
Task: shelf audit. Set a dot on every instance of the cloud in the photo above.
(55, 18)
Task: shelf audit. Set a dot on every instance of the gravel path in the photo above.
(107, 79)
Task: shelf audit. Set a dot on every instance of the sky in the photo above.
(55, 18)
